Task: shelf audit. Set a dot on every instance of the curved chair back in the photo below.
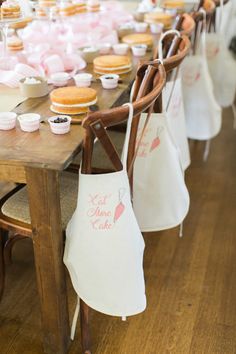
(95, 123)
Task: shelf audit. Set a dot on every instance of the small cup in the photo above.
(83, 79)
(120, 48)
(7, 120)
(156, 27)
(109, 81)
(104, 48)
(89, 54)
(139, 50)
(125, 29)
(140, 27)
(59, 127)
(29, 122)
(60, 79)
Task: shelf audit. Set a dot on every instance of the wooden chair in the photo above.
(172, 61)
(14, 209)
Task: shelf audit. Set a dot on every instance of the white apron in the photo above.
(104, 246)
(202, 112)
(222, 66)
(160, 196)
(176, 118)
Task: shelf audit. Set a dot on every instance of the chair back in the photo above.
(95, 123)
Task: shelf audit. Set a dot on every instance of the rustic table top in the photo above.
(43, 149)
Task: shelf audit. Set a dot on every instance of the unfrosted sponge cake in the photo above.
(112, 64)
(138, 38)
(162, 17)
(72, 100)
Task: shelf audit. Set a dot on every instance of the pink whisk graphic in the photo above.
(156, 141)
(120, 207)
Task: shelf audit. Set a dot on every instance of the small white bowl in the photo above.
(104, 48)
(83, 79)
(109, 81)
(29, 122)
(140, 27)
(120, 48)
(139, 50)
(156, 27)
(59, 128)
(89, 53)
(60, 79)
(7, 120)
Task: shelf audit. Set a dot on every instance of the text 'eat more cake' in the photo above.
(72, 100)
(112, 64)
(10, 10)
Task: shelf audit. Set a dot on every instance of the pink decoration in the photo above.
(155, 143)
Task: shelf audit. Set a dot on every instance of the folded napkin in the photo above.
(10, 98)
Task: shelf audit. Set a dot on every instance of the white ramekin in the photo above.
(29, 122)
(109, 81)
(139, 50)
(60, 79)
(83, 79)
(7, 120)
(156, 28)
(120, 48)
(59, 128)
(140, 27)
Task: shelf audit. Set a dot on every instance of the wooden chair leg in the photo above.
(84, 325)
(3, 234)
(7, 252)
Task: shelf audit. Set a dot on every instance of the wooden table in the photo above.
(37, 159)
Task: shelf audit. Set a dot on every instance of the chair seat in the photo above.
(17, 206)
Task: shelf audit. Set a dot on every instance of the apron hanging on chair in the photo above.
(104, 245)
(176, 116)
(202, 112)
(160, 196)
(222, 66)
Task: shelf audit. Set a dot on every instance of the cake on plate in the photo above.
(112, 64)
(72, 100)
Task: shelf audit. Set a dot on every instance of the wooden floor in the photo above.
(190, 282)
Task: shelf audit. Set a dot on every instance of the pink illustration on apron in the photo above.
(191, 75)
(156, 141)
(99, 213)
(120, 207)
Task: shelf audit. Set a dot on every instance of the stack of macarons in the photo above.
(93, 5)
(67, 9)
(47, 3)
(80, 6)
(14, 44)
(112, 64)
(72, 100)
(10, 10)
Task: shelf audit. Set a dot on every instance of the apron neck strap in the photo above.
(160, 47)
(127, 136)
